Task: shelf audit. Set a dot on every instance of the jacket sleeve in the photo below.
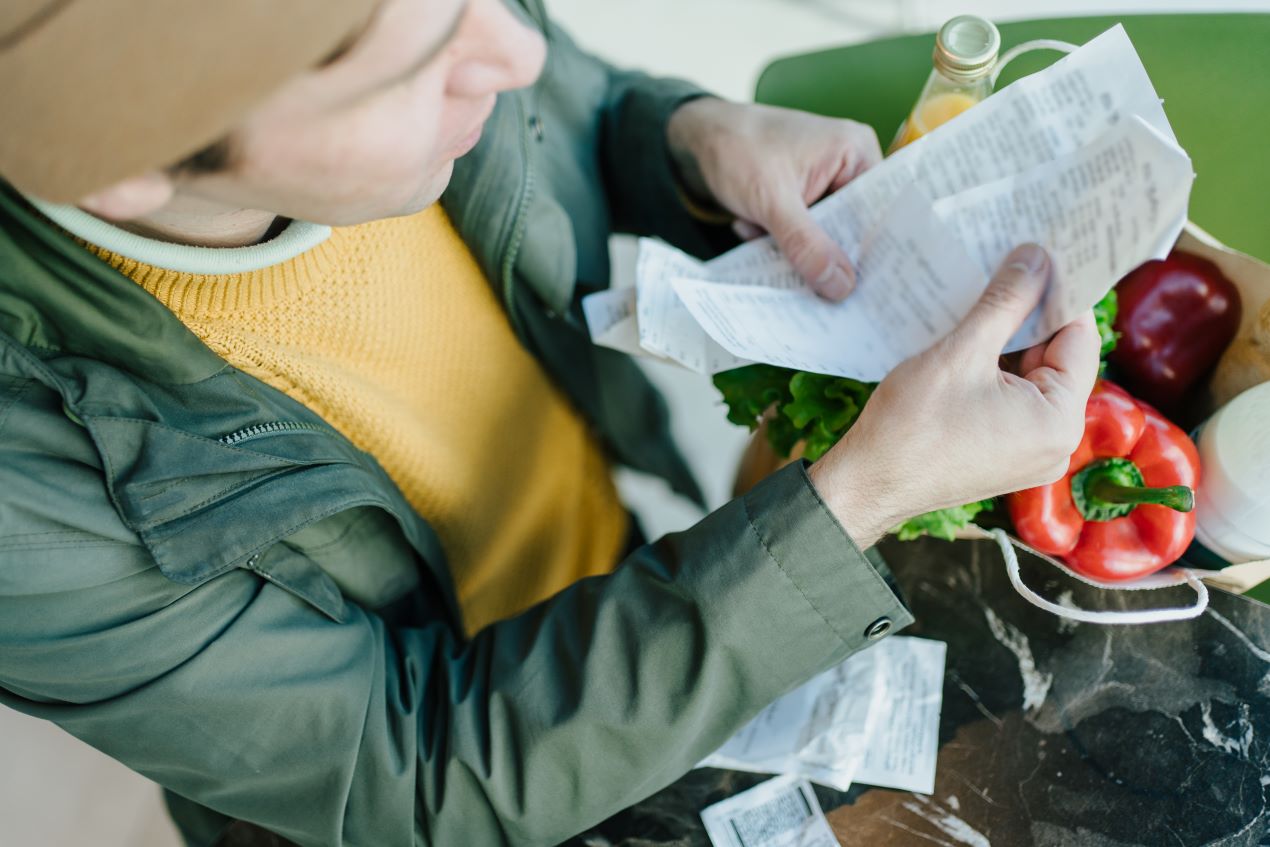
(238, 695)
(645, 194)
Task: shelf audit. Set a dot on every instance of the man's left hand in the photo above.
(766, 166)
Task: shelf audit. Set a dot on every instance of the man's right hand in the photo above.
(950, 426)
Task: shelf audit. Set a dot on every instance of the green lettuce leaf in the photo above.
(1105, 316)
(943, 523)
(750, 391)
(823, 408)
(811, 408)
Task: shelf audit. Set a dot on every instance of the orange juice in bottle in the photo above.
(965, 53)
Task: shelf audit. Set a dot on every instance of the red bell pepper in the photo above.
(1175, 319)
(1123, 510)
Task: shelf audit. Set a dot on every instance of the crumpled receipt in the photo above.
(872, 719)
(1079, 158)
(781, 812)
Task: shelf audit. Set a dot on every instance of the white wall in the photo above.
(723, 44)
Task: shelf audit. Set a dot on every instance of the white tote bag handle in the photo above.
(1163, 579)
(1027, 47)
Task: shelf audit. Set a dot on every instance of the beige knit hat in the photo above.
(94, 91)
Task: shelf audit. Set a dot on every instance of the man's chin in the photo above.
(428, 193)
(385, 204)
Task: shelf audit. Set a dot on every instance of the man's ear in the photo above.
(131, 198)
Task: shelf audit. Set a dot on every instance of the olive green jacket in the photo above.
(201, 578)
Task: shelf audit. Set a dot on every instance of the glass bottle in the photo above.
(966, 51)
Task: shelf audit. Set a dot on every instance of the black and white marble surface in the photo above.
(1053, 733)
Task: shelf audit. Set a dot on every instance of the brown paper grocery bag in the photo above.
(1247, 362)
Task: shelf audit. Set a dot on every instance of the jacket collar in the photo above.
(57, 297)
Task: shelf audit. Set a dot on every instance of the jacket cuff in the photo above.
(837, 579)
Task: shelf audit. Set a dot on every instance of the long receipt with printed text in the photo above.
(1078, 158)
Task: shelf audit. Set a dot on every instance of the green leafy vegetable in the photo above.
(751, 391)
(822, 410)
(943, 523)
(806, 407)
(1105, 317)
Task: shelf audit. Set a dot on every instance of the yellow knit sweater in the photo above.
(390, 332)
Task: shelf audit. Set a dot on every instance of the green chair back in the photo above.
(1212, 71)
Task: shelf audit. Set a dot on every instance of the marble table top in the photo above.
(1053, 733)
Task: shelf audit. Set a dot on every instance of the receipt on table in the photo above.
(872, 719)
(781, 812)
(1078, 157)
(902, 749)
(818, 730)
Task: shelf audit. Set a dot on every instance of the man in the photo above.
(295, 525)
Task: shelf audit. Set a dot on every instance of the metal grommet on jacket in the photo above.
(878, 628)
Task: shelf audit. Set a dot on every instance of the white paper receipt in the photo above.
(819, 730)
(873, 719)
(1079, 158)
(903, 747)
(781, 812)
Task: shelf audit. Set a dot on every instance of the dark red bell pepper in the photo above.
(1123, 510)
(1175, 318)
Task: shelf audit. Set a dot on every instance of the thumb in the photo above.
(1010, 297)
(810, 249)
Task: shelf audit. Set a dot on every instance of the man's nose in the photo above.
(513, 51)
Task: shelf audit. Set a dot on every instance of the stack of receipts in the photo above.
(1078, 158)
(873, 719)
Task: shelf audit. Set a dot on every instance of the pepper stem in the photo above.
(1112, 488)
(1179, 498)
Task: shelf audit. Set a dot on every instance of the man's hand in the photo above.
(951, 426)
(766, 166)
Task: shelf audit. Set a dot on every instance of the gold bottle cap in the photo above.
(966, 47)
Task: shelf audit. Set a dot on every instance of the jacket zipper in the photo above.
(521, 221)
(537, 12)
(259, 430)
